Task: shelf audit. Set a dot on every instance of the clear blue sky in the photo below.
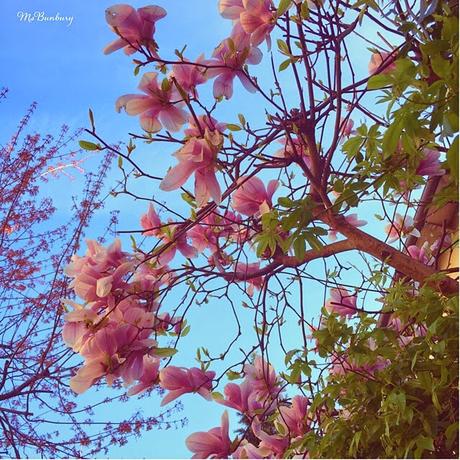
(63, 69)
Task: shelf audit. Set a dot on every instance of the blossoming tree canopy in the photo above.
(374, 373)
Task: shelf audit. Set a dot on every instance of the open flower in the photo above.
(157, 108)
(258, 20)
(198, 155)
(228, 60)
(429, 165)
(377, 60)
(341, 302)
(351, 219)
(179, 381)
(252, 198)
(214, 443)
(401, 226)
(134, 27)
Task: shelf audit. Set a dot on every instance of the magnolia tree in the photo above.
(347, 186)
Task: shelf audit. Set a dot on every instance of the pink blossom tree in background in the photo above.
(350, 169)
(38, 414)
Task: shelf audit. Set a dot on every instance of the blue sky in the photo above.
(62, 68)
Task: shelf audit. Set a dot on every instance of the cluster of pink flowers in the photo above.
(259, 398)
(400, 227)
(341, 302)
(113, 330)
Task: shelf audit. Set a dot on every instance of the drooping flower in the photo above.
(377, 59)
(230, 9)
(346, 127)
(189, 76)
(275, 444)
(198, 155)
(252, 198)
(244, 271)
(258, 20)
(263, 379)
(241, 398)
(214, 443)
(351, 219)
(401, 226)
(294, 418)
(149, 376)
(134, 27)
(341, 302)
(420, 254)
(157, 108)
(228, 60)
(429, 165)
(152, 224)
(179, 381)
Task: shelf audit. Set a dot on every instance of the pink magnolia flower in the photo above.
(244, 272)
(401, 226)
(99, 272)
(179, 381)
(420, 254)
(149, 377)
(376, 62)
(252, 198)
(258, 20)
(429, 165)
(248, 450)
(275, 444)
(87, 375)
(228, 60)
(346, 127)
(341, 302)
(204, 121)
(157, 107)
(214, 443)
(198, 155)
(351, 219)
(152, 224)
(189, 76)
(294, 146)
(294, 418)
(263, 379)
(135, 27)
(231, 9)
(242, 398)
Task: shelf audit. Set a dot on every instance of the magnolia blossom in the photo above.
(241, 398)
(135, 27)
(258, 20)
(252, 198)
(263, 379)
(198, 155)
(429, 165)
(214, 443)
(346, 127)
(189, 76)
(420, 254)
(273, 446)
(351, 219)
(245, 271)
(149, 376)
(99, 272)
(294, 418)
(198, 125)
(152, 224)
(179, 381)
(157, 108)
(376, 61)
(341, 302)
(401, 226)
(228, 60)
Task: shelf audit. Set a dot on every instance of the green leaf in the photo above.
(299, 247)
(283, 7)
(232, 375)
(378, 81)
(233, 127)
(284, 65)
(86, 145)
(283, 47)
(391, 138)
(165, 352)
